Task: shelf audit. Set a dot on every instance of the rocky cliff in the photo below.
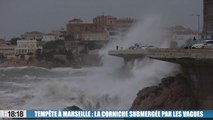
(173, 93)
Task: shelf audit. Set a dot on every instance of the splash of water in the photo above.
(145, 72)
(103, 87)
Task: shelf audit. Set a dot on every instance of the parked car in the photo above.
(139, 46)
(198, 45)
(203, 44)
(208, 44)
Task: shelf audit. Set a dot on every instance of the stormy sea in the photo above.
(88, 88)
(110, 86)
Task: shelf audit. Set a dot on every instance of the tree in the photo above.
(39, 54)
(53, 44)
(22, 57)
(69, 56)
(69, 37)
(49, 56)
(2, 56)
(13, 41)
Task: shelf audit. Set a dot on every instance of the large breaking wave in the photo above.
(106, 87)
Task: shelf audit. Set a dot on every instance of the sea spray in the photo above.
(106, 87)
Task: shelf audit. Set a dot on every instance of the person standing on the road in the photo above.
(117, 47)
(194, 38)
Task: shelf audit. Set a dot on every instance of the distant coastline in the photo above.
(61, 61)
(37, 63)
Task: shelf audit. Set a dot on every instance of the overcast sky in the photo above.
(19, 16)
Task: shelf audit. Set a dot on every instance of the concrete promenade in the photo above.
(197, 65)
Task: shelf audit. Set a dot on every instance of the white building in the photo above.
(48, 37)
(7, 49)
(59, 34)
(26, 46)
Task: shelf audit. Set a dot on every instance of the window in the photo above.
(210, 26)
(210, 10)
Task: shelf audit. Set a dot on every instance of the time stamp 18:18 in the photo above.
(13, 113)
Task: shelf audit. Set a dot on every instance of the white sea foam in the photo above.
(106, 87)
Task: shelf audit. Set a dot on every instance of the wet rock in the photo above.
(72, 108)
(173, 93)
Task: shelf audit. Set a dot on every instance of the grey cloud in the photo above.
(18, 16)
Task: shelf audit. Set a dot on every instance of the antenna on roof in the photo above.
(102, 13)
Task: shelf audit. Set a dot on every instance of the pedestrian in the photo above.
(117, 47)
(194, 38)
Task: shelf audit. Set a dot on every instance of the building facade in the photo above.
(208, 18)
(59, 34)
(76, 28)
(25, 47)
(124, 25)
(94, 36)
(105, 20)
(34, 35)
(114, 34)
(7, 50)
(109, 24)
(48, 37)
(2, 42)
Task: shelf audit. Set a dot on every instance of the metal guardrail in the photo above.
(180, 53)
(165, 53)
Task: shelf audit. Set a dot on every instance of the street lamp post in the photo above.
(198, 23)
